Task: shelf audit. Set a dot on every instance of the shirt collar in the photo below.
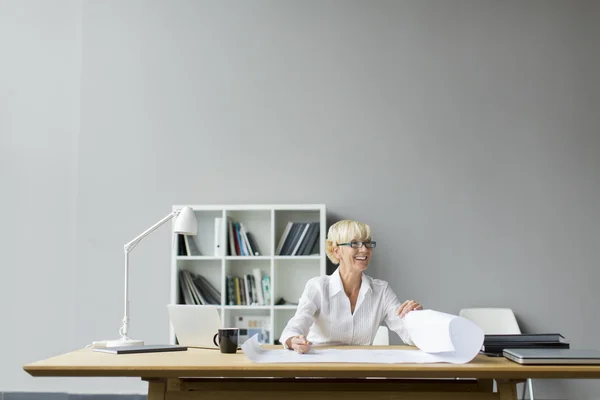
(335, 283)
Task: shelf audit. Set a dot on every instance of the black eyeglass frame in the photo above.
(354, 244)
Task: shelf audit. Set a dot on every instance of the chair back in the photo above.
(382, 337)
(493, 321)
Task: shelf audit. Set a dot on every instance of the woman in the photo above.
(348, 306)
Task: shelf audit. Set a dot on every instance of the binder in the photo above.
(219, 245)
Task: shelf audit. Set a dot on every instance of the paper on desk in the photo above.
(440, 337)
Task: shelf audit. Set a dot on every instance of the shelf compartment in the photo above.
(205, 239)
(283, 217)
(250, 322)
(257, 223)
(291, 275)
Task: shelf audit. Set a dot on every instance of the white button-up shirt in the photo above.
(324, 315)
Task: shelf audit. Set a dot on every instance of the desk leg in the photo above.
(157, 389)
(507, 389)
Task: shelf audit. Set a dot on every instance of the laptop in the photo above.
(194, 326)
(552, 356)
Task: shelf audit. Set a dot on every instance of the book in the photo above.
(181, 249)
(190, 245)
(247, 246)
(303, 230)
(197, 296)
(239, 244)
(283, 238)
(499, 348)
(230, 290)
(287, 248)
(185, 292)
(525, 337)
(309, 239)
(313, 247)
(219, 246)
(257, 274)
(266, 286)
(207, 290)
(149, 348)
(252, 242)
(232, 249)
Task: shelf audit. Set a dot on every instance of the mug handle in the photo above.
(215, 339)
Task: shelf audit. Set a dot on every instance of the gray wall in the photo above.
(40, 66)
(464, 132)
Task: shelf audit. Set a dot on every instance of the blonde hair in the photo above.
(343, 232)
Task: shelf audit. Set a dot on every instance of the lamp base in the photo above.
(124, 342)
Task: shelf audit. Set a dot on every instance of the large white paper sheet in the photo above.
(440, 337)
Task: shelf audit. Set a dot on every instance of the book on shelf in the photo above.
(252, 242)
(240, 241)
(231, 248)
(196, 289)
(248, 290)
(181, 248)
(296, 245)
(248, 250)
(219, 247)
(256, 280)
(283, 238)
(236, 285)
(190, 246)
(249, 241)
(230, 285)
(266, 287)
(298, 239)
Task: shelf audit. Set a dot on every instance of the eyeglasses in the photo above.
(358, 245)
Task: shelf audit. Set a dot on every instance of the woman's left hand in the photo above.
(408, 306)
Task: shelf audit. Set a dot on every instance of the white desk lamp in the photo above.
(185, 224)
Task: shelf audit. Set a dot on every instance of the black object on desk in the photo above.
(495, 344)
(149, 348)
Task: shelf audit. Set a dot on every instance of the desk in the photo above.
(210, 375)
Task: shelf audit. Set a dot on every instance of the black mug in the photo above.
(228, 339)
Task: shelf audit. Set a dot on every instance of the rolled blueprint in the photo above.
(448, 337)
(440, 337)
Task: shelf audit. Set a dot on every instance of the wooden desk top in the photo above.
(211, 363)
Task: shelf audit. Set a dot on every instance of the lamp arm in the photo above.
(131, 245)
(124, 331)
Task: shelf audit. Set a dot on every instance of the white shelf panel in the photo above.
(247, 258)
(297, 257)
(191, 258)
(246, 307)
(286, 307)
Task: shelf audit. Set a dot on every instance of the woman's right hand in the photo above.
(299, 344)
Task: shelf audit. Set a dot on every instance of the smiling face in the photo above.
(354, 258)
(347, 231)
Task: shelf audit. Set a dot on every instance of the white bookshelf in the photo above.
(288, 274)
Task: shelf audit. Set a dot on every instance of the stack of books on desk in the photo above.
(495, 344)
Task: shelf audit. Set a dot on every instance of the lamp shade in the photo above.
(186, 223)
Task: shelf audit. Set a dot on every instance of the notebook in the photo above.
(194, 326)
(149, 348)
(552, 356)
